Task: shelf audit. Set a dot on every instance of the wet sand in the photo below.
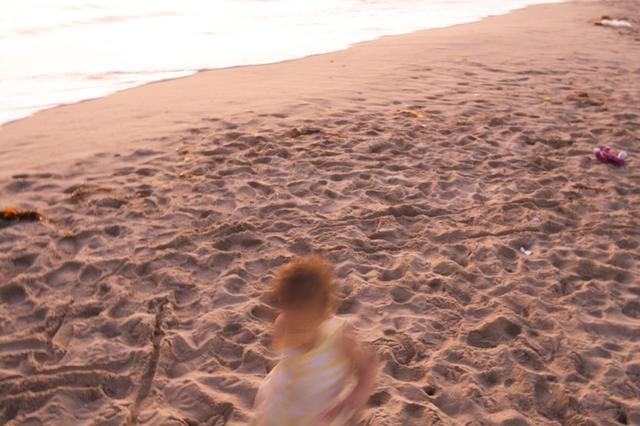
(449, 174)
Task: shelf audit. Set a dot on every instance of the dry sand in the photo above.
(421, 166)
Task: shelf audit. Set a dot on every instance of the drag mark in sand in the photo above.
(159, 306)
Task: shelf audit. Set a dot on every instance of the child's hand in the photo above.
(350, 406)
(330, 415)
(366, 368)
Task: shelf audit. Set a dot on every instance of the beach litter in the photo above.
(525, 251)
(409, 113)
(82, 193)
(606, 21)
(606, 155)
(11, 214)
(584, 99)
(296, 132)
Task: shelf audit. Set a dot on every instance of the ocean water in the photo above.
(54, 52)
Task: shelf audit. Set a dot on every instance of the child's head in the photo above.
(306, 294)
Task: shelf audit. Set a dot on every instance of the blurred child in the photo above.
(325, 374)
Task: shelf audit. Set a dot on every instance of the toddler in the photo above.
(325, 375)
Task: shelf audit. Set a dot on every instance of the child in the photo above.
(320, 354)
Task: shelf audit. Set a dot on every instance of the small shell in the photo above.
(525, 251)
(623, 155)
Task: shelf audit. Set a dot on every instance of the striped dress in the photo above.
(305, 384)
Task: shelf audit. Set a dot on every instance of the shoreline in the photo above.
(6, 128)
(480, 249)
(189, 73)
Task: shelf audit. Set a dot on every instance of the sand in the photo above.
(480, 249)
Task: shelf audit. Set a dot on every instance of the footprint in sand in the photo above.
(494, 333)
(264, 313)
(69, 245)
(379, 399)
(348, 306)
(90, 274)
(65, 276)
(12, 294)
(632, 309)
(24, 262)
(403, 373)
(401, 294)
(412, 409)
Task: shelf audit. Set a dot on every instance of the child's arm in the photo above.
(365, 366)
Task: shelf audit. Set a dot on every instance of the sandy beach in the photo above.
(484, 253)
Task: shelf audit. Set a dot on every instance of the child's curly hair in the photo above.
(306, 281)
